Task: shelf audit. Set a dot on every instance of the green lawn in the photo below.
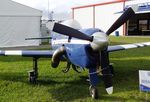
(53, 85)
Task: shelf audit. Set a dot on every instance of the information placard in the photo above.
(144, 80)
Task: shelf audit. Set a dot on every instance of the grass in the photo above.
(55, 86)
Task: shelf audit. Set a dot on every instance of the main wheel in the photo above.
(93, 92)
(32, 77)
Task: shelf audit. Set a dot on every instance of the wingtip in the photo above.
(109, 90)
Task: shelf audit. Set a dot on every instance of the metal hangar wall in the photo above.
(102, 16)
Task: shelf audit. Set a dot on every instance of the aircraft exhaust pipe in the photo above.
(57, 56)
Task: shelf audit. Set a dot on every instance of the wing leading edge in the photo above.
(127, 46)
(27, 53)
(49, 53)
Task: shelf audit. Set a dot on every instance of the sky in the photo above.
(61, 8)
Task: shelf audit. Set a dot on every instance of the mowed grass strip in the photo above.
(55, 86)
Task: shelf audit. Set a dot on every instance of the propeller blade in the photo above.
(106, 71)
(65, 30)
(130, 12)
(38, 38)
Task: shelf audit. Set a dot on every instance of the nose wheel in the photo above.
(93, 92)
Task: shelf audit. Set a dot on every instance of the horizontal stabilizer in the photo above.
(48, 37)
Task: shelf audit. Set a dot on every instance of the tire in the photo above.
(93, 92)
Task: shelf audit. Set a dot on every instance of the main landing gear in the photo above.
(33, 74)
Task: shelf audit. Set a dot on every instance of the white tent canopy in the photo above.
(18, 22)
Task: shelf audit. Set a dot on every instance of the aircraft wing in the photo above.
(127, 46)
(27, 53)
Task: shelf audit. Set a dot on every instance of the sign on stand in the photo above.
(144, 80)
